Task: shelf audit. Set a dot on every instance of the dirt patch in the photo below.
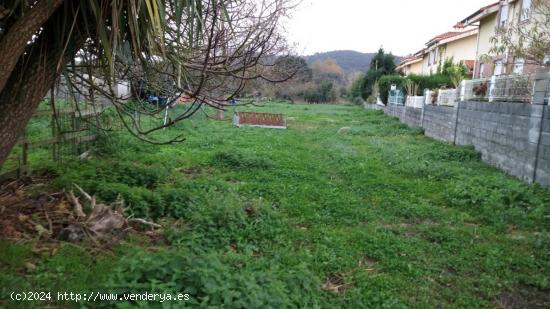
(368, 263)
(398, 225)
(302, 126)
(344, 130)
(336, 283)
(410, 234)
(195, 170)
(28, 215)
(523, 297)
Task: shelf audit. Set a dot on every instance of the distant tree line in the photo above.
(324, 81)
(382, 64)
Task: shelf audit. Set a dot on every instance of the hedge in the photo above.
(435, 81)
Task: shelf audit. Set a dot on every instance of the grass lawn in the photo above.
(347, 208)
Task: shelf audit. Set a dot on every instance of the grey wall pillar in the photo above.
(539, 126)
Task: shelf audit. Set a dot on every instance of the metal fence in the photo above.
(512, 88)
(396, 97)
(516, 88)
(505, 88)
(61, 128)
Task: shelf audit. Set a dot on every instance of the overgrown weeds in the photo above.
(377, 216)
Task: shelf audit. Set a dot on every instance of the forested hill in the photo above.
(350, 61)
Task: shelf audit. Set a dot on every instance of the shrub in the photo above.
(371, 99)
(321, 92)
(356, 88)
(360, 101)
(429, 82)
(215, 280)
(499, 201)
(424, 82)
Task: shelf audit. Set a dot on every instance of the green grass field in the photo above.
(347, 208)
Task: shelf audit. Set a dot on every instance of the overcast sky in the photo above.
(400, 26)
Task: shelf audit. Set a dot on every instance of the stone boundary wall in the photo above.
(439, 122)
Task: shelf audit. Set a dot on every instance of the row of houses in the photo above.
(470, 43)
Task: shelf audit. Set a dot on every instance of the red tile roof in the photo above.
(443, 36)
(479, 11)
(418, 55)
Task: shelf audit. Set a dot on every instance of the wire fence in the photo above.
(63, 127)
(505, 88)
(512, 88)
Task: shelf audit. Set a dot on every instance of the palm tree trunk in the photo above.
(14, 42)
(31, 78)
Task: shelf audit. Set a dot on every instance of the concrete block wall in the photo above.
(515, 137)
(501, 133)
(394, 110)
(543, 160)
(412, 116)
(439, 122)
(408, 115)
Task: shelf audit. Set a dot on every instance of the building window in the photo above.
(435, 55)
(504, 10)
(499, 68)
(525, 10)
(518, 66)
(481, 70)
(546, 60)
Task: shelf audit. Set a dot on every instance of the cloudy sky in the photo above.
(400, 26)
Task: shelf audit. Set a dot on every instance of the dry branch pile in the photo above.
(26, 212)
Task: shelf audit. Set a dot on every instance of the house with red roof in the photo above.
(487, 19)
(471, 43)
(458, 45)
(412, 64)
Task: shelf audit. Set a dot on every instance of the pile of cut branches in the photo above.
(62, 216)
(103, 223)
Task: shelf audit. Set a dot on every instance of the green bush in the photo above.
(128, 173)
(424, 82)
(500, 201)
(322, 92)
(216, 280)
(430, 82)
(360, 101)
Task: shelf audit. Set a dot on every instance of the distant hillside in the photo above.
(350, 61)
